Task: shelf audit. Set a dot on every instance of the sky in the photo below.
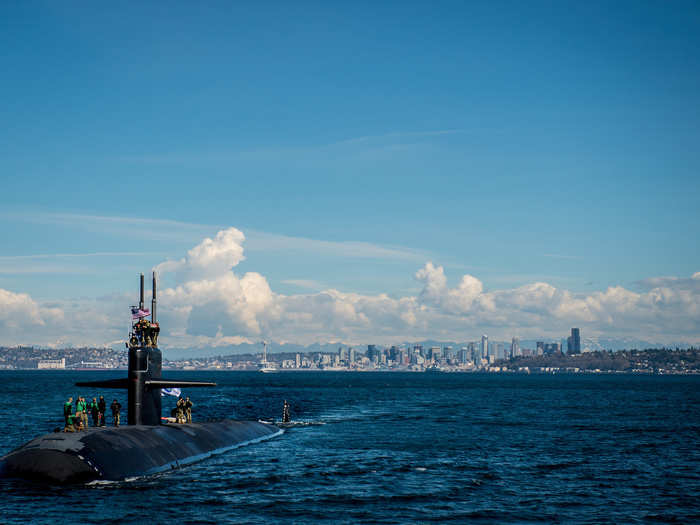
(359, 171)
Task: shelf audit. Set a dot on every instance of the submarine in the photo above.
(146, 445)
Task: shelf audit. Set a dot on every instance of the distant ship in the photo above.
(434, 369)
(145, 446)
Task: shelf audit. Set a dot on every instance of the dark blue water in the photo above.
(397, 448)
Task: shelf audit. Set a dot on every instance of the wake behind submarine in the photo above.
(145, 446)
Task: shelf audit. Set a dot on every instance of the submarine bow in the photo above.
(113, 454)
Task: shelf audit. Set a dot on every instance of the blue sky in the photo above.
(515, 142)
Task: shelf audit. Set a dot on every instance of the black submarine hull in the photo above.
(121, 453)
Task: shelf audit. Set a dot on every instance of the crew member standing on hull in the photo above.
(95, 412)
(180, 411)
(102, 408)
(116, 409)
(81, 411)
(188, 410)
(285, 412)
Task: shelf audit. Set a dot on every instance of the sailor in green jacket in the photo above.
(81, 411)
(70, 427)
(68, 409)
(94, 412)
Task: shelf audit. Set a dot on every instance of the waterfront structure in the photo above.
(51, 364)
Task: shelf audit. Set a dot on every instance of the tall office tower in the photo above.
(372, 352)
(484, 346)
(540, 348)
(576, 340)
(297, 360)
(351, 355)
(515, 347)
(415, 356)
(463, 356)
(419, 349)
(435, 353)
(393, 352)
(498, 350)
(447, 353)
(474, 352)
(493, 350)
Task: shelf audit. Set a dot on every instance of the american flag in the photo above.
(138, 313)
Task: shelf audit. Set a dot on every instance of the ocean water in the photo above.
(395, 448)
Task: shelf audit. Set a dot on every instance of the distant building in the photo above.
(515, 347)
(498, 350)
(463, 356)
(484, 346)
(552, 348)
(447, 353)
(574, 342)
(51, 364)
(474, 352)
(372, 353)
(540, 348)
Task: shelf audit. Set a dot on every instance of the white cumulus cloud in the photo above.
(210, 304)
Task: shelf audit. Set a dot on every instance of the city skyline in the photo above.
(351, 173)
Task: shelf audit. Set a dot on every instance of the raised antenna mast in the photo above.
(153, 300)
(141, 294)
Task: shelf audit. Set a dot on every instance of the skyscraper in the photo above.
(484, 346)
(573, 342)
(515, 347)
(463, 355)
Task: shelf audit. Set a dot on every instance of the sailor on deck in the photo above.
(116, 409)
(188, 410)
(68, 409)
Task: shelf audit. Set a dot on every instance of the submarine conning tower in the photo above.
(144, 380)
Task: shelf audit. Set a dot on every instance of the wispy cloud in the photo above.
(61, 263)
(398, 135)
(559, 256)
(308, 284)
(256, 241)
(71, 255)
(265, 242)
(394, 139)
